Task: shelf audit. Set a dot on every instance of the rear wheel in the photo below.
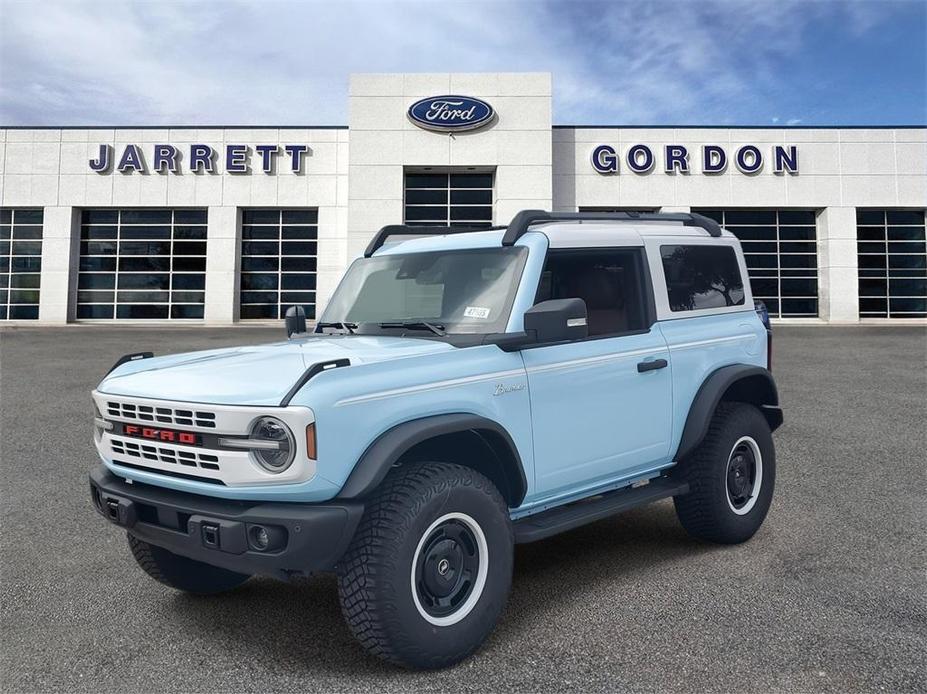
(430, 566)
(183, 573)
(731, 477)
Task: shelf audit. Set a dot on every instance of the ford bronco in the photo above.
(463, 391)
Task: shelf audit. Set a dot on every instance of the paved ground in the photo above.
(831, 595)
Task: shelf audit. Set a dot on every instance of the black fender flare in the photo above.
(757, 387)
(373, 466)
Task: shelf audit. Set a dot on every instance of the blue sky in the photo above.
(787, 62)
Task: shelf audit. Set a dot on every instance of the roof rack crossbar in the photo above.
(524, 219)
(409, 230)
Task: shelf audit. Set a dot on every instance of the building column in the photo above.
(223, 249)
(60, 258)
(838, 287)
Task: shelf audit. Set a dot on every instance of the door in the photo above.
(601, 407)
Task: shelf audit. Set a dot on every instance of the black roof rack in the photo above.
(523, 220)
(407, 230)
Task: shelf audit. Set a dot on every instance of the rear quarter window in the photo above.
(702, 277)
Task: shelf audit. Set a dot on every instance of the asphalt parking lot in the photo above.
(831, 595)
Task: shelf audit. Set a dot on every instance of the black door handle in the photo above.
(652, 365)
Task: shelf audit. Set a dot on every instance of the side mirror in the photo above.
(557, 320)
(295, 321)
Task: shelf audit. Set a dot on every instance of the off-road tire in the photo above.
(183, 573)
(706, 511)
(377, 576)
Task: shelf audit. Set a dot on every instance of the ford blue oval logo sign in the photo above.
(450, 113)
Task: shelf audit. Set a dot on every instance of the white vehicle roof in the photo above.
(599, 233)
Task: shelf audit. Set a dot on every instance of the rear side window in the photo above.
(700, 277)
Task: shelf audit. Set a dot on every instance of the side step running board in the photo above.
(560, 519)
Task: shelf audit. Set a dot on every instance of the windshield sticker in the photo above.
(476, 312)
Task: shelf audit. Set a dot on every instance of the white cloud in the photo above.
(288, 62)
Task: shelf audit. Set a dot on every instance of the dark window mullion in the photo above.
(119, 228)
(280, 267)
(170, 277)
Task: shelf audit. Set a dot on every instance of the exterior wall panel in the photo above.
(383, 140)
(50, 168)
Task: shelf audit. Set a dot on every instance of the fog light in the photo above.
(259, 537)
(266, 538)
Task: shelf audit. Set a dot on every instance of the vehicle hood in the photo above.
(255, 374)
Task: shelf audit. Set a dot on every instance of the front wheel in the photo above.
(430, 566)
(731, 477)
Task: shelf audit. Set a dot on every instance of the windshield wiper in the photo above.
(417, 325)
(347, 327)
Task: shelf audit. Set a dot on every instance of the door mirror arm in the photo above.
(511, 342)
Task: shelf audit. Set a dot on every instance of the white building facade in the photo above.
(229, 224)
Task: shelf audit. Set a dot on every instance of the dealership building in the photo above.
(218, 225)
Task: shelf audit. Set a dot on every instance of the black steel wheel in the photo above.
(731, 477)
(429, 569)
(744, 475)
(450, 569)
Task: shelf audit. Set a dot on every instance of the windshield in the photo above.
(462, 291)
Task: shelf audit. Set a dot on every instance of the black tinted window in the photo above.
(609, 281)
(699, 277)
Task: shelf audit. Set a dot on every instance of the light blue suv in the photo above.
(464, 391)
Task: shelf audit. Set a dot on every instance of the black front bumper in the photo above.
(304, 538)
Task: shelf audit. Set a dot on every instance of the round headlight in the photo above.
(281, 448)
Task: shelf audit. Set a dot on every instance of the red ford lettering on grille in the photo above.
(166, 435)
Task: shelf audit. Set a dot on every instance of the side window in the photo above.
(700, 277)
(610, 281)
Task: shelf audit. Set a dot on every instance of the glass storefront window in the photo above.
(20, 263)
(142, 264)
(449, 199)
(279, 251)
(892, 259)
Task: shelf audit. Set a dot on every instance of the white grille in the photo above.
(174, 456)
(229, 467)
(162, 415)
